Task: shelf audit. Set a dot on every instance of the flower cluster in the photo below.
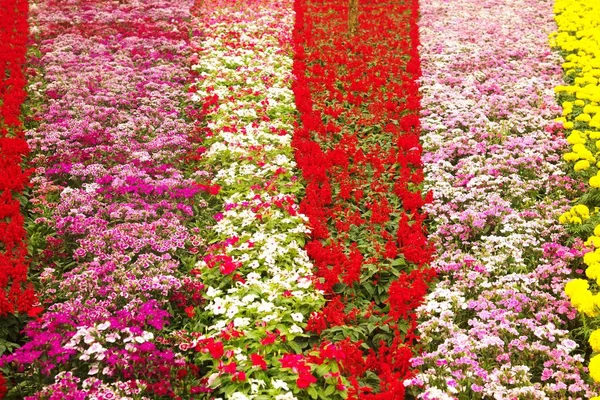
(258, 278)
(359, 152)
(578, 40)
(497, 323)
(110, 199)
(17, 296)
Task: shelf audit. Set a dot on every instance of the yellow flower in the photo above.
(594, 340)
(592, 271)
(592, 257)
(583, 118)
(582, 210)
(576, 137)
(564, 218)
(581, 165)
(593, 241)
(595, 181)
(587, 303)
(576, 286)
(570, 156)
(593, 134)
(595, 368)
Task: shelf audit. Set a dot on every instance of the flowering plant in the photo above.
(576, 39)
(358, 149)
(497, 325)
(258, 278)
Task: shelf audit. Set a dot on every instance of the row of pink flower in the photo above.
(496, 325)
(112, 194)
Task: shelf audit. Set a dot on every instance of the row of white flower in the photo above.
(257, 274)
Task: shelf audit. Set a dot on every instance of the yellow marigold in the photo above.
(595, 181)
(593, 134)
(576, 286)
(593, 271)
(576, 137)
(581, 165)
(582, 210)
(586, 303)
(594, 340)
(583, 117)
(558, 89)
(591, 257)
(593, 241)
(597, 230)
(595, 368)
(570, 156)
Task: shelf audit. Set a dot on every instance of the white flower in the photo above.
(297, 317)
(218, 307)
(93, 369)
(279, 384)
(286, 396)
(212, 292)
(241, 322)
(103, 326)
(304, 283)
(95, 348)
(265, 306)
(238, 396)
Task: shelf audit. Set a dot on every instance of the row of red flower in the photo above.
(16, 295)
(358, 149)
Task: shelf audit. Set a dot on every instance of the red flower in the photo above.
(270, 339)
(3, 388)
(230, 368)
(305, 380)
(258, 361)
(293, 361)
(190, 311)
(214, 189)
(215, 348)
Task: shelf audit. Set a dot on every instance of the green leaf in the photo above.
(328, 391)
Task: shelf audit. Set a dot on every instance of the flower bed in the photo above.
(16, 295)
(258, 278)
(111, 201)
(577, 40)
(497, 324)
(359, 153)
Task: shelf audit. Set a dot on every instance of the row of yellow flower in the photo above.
(578, 39)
